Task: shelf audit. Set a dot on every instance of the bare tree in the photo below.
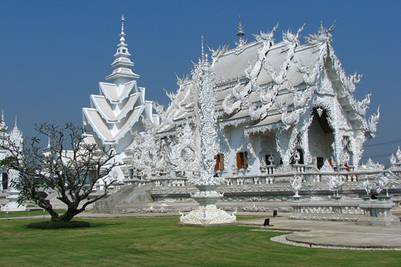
(70, 173)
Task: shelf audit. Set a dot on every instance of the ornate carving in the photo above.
(371, 124)
(237, 98)
(296, 185)
(183, 153)
(335, 183)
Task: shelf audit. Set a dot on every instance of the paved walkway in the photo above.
(333, 234)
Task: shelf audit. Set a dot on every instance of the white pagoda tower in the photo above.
(7, 176)
(117, 112)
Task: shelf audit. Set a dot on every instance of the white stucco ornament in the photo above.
(207, 196)
(296, 185)
(335, 182)
(207, 215)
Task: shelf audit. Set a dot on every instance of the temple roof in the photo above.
(107, 112)
(229, 68)
(120, 103)
(103, 131)
(257, 80)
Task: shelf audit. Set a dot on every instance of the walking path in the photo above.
(332, 234)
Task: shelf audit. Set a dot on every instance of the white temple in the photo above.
(253, 128)
(285, 120)
(119, 109)
(9, 195)
(280, 105)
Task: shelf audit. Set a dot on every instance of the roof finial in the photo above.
(122, 25)
(15, 122)
(3, 126)
(122, 64)
(202, 49)
(240, 33)
(203, 58)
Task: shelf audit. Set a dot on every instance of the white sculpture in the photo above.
(384, 182)
(367, 186)
(395, 159)
(335, 182)
(296, 185)
(205, 118)
(184, 152)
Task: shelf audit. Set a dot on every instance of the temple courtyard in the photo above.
(162, 241)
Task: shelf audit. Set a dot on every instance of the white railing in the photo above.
(312, 176)
(272, 176)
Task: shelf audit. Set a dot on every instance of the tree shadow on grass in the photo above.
(49, 225)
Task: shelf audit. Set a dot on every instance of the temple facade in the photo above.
(282, 106)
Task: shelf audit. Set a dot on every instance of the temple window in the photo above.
(298, 157)
(319, 162)
(4, 181)
(242, 160)
(269, 160)
(131, 173)
(219, 166)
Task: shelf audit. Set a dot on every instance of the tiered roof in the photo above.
(120, 104)
(260, 84)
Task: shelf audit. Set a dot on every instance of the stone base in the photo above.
(378, 212)
(327, 210)
(207, 215)
(383, 221)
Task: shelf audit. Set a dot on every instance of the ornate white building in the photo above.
(283, 109)
(15, 135)
(116, 114)
(8, 193)
(280, 105)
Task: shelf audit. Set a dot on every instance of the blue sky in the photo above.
(53, 53)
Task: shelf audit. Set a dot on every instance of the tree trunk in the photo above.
(69, 214)
(53, 214)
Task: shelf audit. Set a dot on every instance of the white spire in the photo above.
(16, 134)
(240, 33)
(203, 58)
(15, 123)
(3, 126)
(122, 34)
(122, 25)
(122, 63)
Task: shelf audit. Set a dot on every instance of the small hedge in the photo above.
(58, 225)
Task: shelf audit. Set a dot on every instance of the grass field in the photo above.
(11, 214)
(162, 242)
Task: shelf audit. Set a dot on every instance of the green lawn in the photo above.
(11, 214)
(162, 242)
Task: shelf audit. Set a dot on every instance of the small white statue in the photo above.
(367, 186)
(335, 182)
(296, 184)
(385, 181)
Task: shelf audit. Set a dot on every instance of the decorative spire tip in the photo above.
(122, 24)
(240, 33)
